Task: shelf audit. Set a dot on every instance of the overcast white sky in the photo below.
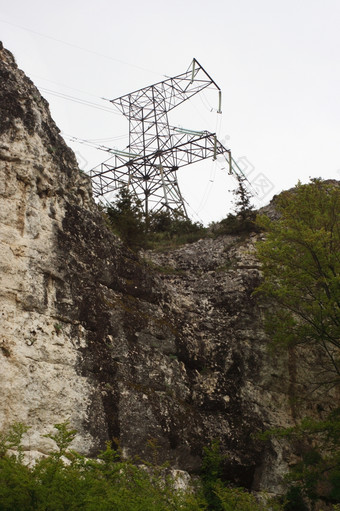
(277, 63)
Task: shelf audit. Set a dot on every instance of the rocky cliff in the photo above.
(167, 348)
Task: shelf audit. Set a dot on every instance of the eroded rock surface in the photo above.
(160, 348)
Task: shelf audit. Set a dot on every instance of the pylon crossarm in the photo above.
(153, 182)
(169, 93)
(189, 149)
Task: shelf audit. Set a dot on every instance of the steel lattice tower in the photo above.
(149, 165)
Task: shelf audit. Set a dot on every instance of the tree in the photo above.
(243, 206)
(243, 219)
(175, 225)
(126, 218)
(300, 259)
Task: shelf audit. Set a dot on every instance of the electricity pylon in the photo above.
(156, 150)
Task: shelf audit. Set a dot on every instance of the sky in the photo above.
(277, 63)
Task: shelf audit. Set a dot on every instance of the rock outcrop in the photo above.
(163, 349)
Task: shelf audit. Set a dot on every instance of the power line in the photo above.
(68, 87)
(78, 100)
(77, 47)
(107, 139)
(88, 143)
(92, 141)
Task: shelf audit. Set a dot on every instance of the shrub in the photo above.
(67, 481)
(126, 218)
(158, 230)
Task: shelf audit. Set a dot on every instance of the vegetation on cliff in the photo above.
(169, 229)
(160, 229)
(242, 220)
(66, 481)
(300, 259)
(301, 268)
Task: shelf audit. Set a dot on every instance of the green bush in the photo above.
(67, 481)
(294, 500)
(167, 231)
(237, 499)
(159, 230)
(126, 218)
(235, 225)
(211, 475)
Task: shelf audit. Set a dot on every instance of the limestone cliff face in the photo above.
(161, 346)
(38, 177)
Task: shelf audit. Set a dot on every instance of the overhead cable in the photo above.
(77, 47)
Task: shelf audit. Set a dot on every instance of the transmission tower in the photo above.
(156, 150)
